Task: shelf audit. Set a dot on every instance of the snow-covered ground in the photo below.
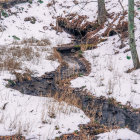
(31, 115)
(123, 134)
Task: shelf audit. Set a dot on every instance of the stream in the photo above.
(56, 84)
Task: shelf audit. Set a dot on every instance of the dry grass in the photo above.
(19, 52)
(11, 57)
(35, 42)
(14, 137)
(10, 64)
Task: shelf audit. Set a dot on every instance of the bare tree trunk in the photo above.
(132, 35)
(101, 12)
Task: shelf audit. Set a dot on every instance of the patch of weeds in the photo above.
(11, 83)
(30, 1)
(22, 8)
(81, 74)
(77, 46)
(120, 105)
(125, 107)
(96, 122)
(76, 132)
(15, 37)
(57, 138)
(80, 53)
(4, 14)
(40, 1)
(56, 127)
(128, 57)
(83, 87)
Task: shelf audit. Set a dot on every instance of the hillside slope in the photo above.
(32, 26)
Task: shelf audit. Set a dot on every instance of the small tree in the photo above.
(131, 31)
(101, 12)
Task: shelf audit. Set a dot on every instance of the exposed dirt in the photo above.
(104, 113)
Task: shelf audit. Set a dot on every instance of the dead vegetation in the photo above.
(35, 42)
(85, 32)
(12, 57)
(14, 137)
(87, 132)
(73, 25)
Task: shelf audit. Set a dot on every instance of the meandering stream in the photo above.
(57, 84)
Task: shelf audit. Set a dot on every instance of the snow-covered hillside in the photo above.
(42, 117)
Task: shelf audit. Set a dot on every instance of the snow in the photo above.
(30, 115)
(123, 134)
(15, 24)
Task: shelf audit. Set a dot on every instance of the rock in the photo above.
(73, 50)
(2, 28)
(31, 19)
(45, 28)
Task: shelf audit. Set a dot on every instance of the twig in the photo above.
(121, 5)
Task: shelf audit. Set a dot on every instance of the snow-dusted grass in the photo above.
(23, 57)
